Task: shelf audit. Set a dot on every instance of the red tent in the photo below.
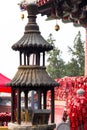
(3, 81)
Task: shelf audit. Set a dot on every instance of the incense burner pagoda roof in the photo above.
(32, 77)
(32, 42)
(68, 10)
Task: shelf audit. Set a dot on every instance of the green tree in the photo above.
(72, 68)
(56, 65)
(75, 67)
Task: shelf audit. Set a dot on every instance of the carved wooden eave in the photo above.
(75, 10)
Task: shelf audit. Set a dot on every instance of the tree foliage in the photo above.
(75, 67)
(55, 66)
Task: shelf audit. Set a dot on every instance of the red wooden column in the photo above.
(86, 54)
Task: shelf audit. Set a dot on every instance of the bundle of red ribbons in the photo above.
(77, 112)
(76, 105)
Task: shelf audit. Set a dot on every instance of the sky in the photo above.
(12, 29)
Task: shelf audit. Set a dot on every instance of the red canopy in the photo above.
(3, 81)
